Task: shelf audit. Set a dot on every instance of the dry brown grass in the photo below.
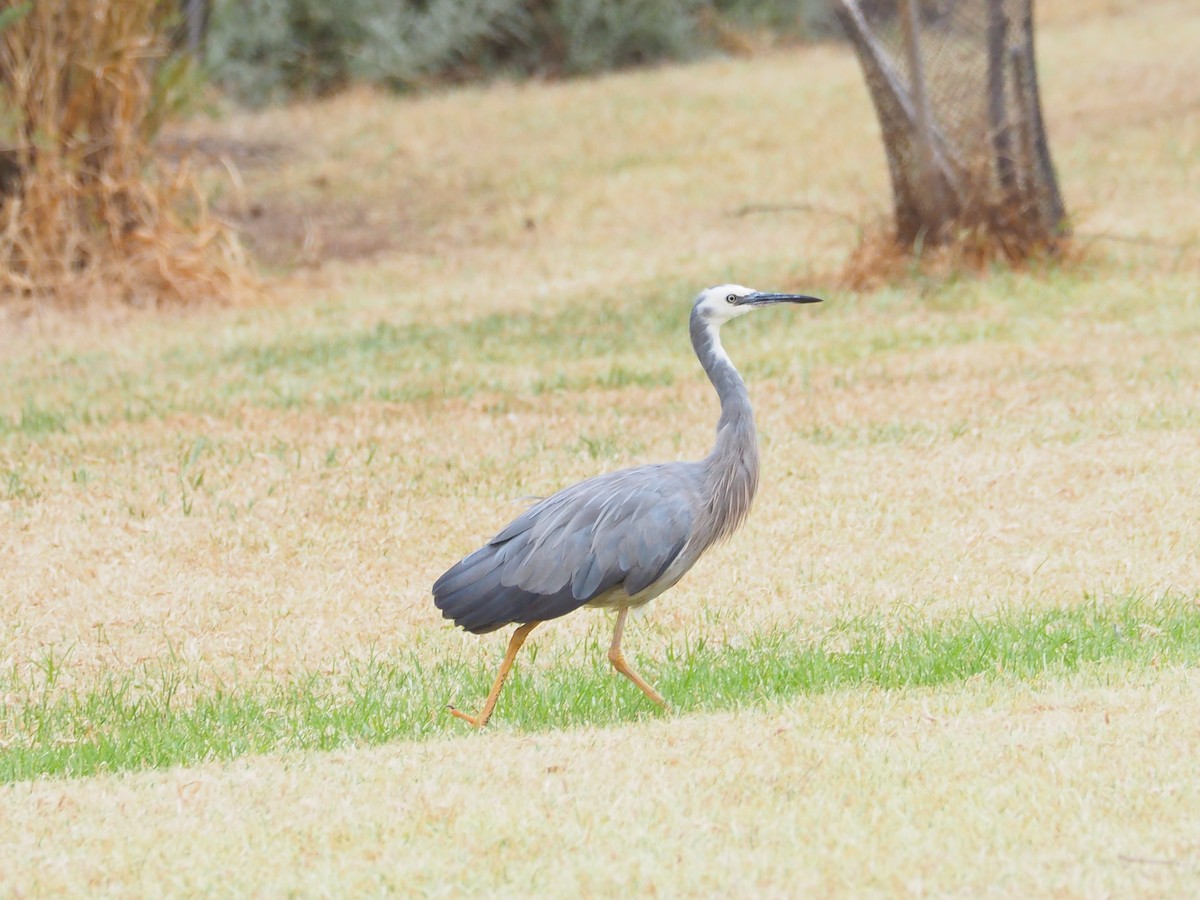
(880, 259)
(924, 445)
(86, 215)
(1076, 789)
(931, 448)
(921, 482)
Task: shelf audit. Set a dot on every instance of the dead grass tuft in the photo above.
(85, 211)
(995, 237)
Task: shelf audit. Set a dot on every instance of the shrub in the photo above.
(267, 50)
(596, 35)
(83, 209)
(264, 50)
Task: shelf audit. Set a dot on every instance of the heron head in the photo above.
(728, 301)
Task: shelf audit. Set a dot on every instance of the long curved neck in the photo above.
(731, 469)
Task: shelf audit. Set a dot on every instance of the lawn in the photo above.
(954, 649)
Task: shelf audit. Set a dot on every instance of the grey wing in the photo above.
(621, 529)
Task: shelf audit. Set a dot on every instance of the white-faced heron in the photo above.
(621, 539)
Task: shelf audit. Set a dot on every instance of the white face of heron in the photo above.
(721, 303)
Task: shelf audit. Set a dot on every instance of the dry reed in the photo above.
(86, 211)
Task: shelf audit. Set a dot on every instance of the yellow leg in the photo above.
(617, 658)
(514, 645)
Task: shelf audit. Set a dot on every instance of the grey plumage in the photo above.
(620, 539)
(618, 532)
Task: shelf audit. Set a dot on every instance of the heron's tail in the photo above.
(472, 594)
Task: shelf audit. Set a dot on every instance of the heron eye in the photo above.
(732, 298)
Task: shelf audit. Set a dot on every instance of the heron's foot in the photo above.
(475, 721)
(514, 645)
(662, 704)
(617, 659)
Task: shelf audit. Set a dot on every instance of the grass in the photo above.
(219, 526)
(1073, 786)
(275, 487)
(159, 718)
(410, 361)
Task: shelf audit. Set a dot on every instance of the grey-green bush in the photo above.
(266, 50)
(605, 34)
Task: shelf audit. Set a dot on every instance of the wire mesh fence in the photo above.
(954, 83)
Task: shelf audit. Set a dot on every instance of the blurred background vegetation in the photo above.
(263, 51)
(85, 88)
(92, 206)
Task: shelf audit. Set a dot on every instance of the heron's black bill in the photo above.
(760, 299)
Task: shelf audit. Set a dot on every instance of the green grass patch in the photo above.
(157, 717)
(639, 340)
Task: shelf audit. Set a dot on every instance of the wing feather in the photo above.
(621, 529)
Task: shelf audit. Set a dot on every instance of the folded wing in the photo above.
(623, 529)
